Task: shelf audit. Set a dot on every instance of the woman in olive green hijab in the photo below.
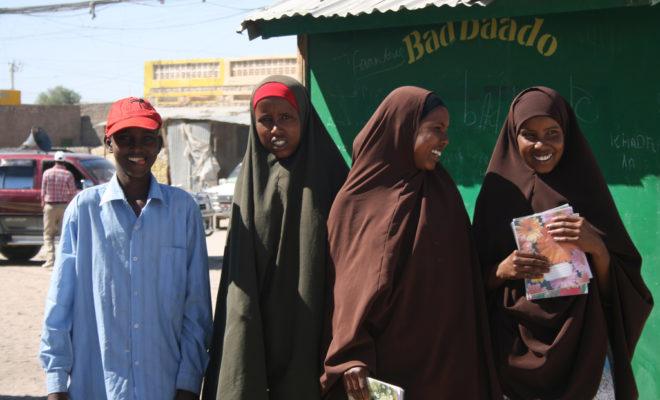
(271, 303)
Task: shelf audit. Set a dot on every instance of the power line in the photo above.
(50, 8)
(232, 7)
(101, 29)
(160, 27)
(33, 35)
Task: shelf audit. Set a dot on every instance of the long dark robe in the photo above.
(270, 310)
(408, 297)
(555, 348)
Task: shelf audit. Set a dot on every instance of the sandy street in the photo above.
(22, 295)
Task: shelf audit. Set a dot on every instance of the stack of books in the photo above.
(569, 273)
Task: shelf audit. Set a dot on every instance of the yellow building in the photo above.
(183, 82)
(10, 97)
(211, 82)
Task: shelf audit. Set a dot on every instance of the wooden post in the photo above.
(303, 73)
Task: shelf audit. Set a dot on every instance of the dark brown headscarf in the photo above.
(270, 312)
(408, 298)
(556, 348)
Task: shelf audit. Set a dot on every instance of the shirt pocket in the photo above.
(172, 277)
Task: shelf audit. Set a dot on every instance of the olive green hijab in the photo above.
(270, 308)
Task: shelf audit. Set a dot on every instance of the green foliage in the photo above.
(59, 95)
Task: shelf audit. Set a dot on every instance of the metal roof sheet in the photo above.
(291, 17)
(343, 8)
(234, 115)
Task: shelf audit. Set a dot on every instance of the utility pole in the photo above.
(13, 67)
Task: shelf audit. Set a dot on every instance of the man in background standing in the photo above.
(57, 189)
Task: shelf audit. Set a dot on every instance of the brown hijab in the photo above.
(408, 298)
(556, 348)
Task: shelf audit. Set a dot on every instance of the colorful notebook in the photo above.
(569, 273)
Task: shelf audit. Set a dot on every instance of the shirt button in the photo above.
(136, 363)
(135, 293)
(127, 350)
(136, 326)
(136, 227)
(135, 258)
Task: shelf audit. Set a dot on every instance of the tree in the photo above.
(59, 95)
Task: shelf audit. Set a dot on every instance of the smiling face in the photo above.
(541, 143)
(278, 126)
(431, 138)
(135, 151)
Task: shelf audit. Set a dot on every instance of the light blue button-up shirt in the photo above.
(128, 313)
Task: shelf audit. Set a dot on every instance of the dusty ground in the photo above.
(22, 294)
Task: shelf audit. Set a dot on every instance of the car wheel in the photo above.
(19, 253)
(208, 226)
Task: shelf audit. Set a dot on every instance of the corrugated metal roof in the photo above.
(343, 8)
(230, 115)
(340, 9)
(234, 115)
(293, 17)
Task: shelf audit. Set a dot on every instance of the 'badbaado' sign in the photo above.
(504, 29)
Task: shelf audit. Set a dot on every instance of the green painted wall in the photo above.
(606, 64)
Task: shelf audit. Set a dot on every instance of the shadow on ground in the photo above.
(3, 397)
(30, 263)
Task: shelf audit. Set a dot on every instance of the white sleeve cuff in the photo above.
(57, 381)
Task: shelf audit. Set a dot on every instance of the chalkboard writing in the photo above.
(479, 66)
(583, 103)
(638, 142)
(493, 105)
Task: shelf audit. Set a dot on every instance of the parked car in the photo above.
(222, 196)
(206, 209)
(21, 215)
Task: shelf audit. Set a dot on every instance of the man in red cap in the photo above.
(128, 314)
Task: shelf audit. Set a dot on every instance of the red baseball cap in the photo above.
(132, 112)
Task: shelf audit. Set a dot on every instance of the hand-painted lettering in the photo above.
(504, 29)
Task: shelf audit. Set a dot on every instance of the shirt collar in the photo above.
(113, 191)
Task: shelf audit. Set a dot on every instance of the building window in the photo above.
(186, 70)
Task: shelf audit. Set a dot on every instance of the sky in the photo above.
(103, 58)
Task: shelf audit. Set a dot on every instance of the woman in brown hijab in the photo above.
(408, 298)
(557, 348)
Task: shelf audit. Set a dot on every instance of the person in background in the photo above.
(58, 187)
(268, 326)
(128, 313)
(572, 347)
(409, 304)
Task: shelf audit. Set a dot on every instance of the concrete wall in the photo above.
(62, 123)
(91, 115)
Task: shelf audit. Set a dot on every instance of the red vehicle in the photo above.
(21, 216)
